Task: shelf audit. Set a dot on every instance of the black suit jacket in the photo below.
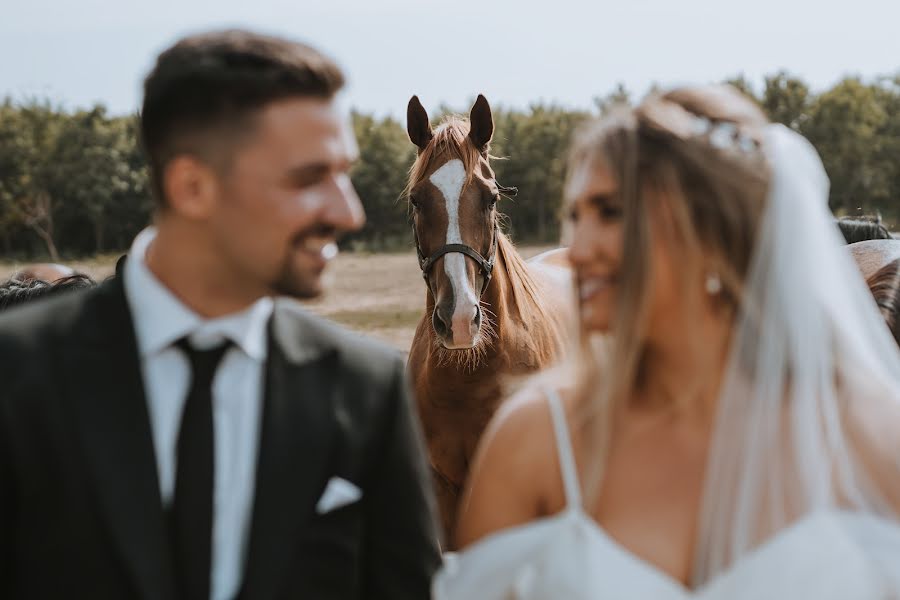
(80, 508)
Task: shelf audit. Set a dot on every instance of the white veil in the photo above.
(809, 412)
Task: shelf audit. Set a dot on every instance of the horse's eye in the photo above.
(414, 202)
(494, 199)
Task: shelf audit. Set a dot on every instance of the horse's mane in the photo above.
(526, 292)
(451, 138)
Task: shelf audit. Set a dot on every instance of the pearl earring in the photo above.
(713, 284)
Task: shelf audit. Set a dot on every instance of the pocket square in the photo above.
(339, 492)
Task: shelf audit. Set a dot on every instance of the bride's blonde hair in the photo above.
(692, 156)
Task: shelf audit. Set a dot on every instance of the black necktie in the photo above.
(191, 514)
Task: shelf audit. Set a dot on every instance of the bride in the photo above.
(732, 426)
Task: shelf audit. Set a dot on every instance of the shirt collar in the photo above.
(161, 319)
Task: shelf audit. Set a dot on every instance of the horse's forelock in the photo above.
(450, 141)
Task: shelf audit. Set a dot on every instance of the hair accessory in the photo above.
(700, 125)
(722, 135)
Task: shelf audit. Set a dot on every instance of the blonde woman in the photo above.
(732, 429)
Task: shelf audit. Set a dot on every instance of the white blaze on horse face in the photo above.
(449, 180)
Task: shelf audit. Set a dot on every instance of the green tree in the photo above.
(886, 155)
(77, 182)
(786, 100)
(92, 173)
(618, 97)
(845, 125)
(385, 155)
(14, 169)
(535, 146)
(29, 133)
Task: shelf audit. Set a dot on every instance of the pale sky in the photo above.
(515, 52)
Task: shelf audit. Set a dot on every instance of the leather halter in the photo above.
(485, 264)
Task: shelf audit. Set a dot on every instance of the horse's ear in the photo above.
(481, 124)
(417, 125)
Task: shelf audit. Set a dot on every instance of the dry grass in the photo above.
(380, 294)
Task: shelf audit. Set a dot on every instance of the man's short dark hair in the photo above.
(14, 292)
(203, 92)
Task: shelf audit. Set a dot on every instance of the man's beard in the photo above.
(294, 283)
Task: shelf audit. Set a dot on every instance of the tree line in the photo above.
(75, 183)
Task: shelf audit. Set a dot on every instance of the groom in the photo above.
(177, 433)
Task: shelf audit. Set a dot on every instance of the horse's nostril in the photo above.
(477, 318)
(441, 323)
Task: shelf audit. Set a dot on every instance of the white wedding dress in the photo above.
(830, 555)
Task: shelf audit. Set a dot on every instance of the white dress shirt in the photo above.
(161, 319)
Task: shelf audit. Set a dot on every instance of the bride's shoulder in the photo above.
(515, 474)
(526, 414)
(872, 430)
(871, 417)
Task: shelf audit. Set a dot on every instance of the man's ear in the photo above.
(190, 186)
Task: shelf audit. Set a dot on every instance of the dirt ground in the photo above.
(382, 295)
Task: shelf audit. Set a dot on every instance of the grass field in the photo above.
(379, 294)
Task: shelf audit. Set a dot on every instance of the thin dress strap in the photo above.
(564, 450)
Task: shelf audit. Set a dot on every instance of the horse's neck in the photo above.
(520, 321)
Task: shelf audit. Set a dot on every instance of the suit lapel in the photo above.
(295, 442)
(104, 379)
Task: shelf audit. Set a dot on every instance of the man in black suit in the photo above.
(184, 430)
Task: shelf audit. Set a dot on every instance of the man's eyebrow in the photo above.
(309, 171)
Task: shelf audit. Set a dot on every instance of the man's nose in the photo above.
(345, 211)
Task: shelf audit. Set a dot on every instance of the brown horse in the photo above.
(879, 262)
(872, 255)
(490, 316)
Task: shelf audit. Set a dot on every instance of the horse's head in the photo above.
(452, 193)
